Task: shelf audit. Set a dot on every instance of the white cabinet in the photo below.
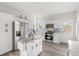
(40, 45)
(23, 53)
(56, 37)
(32, 48)
(21, 47)
(35, 47)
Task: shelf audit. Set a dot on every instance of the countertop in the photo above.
(30, 39)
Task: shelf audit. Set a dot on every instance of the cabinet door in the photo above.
(40, 45)
(35, 48)
(56, 38)
(30, 49)
(23, 53)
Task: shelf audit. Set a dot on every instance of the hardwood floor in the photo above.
(53, 49)
(12, 53)
(49, 49)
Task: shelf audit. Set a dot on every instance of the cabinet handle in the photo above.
(36, 44)
(32, 47)
(39, 42)
(25, 47)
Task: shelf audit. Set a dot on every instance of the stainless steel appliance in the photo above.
(16, 34)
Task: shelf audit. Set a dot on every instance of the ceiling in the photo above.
(42, 8)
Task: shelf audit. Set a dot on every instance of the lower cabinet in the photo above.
(35, 47)
(32, 48)
(23, 53)
(56, 38)
(40, 45)
(29, 48)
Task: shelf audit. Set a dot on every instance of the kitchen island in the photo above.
(30, 46)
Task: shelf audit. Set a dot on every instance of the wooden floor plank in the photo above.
(49, 49)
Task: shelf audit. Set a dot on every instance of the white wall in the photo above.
(77, 24)
(59, 20)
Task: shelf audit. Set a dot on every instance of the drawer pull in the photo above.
(32, 47)
(36, 45)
